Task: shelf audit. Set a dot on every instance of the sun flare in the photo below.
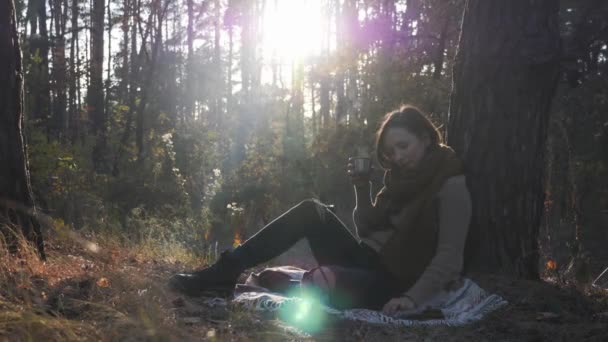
(294, 30)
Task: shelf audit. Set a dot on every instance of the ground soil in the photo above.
(116, 295)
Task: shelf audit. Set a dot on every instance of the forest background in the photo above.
(185, 126)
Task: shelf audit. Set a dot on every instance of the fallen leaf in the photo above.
(103, 282)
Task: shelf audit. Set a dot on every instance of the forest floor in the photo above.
(87, 291)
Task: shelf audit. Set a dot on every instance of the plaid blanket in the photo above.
(462, 305)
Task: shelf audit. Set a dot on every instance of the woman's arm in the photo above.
(366, 215)
(454, 219)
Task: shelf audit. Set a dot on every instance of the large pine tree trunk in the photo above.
(16, 200)
(505, 75)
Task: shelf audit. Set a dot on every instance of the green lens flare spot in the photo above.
(304, 312)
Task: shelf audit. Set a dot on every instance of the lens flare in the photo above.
(304, 311)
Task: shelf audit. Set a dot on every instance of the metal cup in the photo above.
(361, 165)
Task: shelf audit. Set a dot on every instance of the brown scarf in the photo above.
(411, 248)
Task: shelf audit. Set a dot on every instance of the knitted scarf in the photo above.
(413, 244)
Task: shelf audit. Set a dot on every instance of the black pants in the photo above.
(361, 278)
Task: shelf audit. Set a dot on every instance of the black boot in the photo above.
(221, 277)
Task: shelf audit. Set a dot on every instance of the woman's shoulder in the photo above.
(454, 186)
(455, 180)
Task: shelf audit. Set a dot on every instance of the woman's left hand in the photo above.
(398, 304)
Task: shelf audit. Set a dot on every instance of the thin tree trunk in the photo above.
(73, 104)
(324, 82)
(109, 65)
(324, 100)
(78, 122)
(505, 75)
(60, 118)
(134, 83)
(189, 105)
(339, 81)
(124, 70)
(16, 199)
(229, 67)
(246, 53)
(312, 105)
(140, 117)
(95, 93)
(38, 46)
(440, 53)
(217, 62)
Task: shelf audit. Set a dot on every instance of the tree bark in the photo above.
(189, 105)
(60, 117)
(124, 70)
(247, 53)
(217, 63)
(95, 92)
(17, 202)
(39, 71)
(95, 96)
(440, 53)
(74, 106)
(140, 119)
(109, 65)
(505, 74)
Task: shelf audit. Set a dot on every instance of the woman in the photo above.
(410, 240)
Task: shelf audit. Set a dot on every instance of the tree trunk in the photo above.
(440, 53)
(505, 75)
(95, 92)
(38, 72)
(247, 52)
(140, 119)
(60, 118)
(16, 199)
(124, 70)
(189, 105)
(137, 62)
(339, 78)
(324, 99)
(95, 100)
(312, 106)
(74, 108)
(109, 65)
(217, 63)
(229, 105)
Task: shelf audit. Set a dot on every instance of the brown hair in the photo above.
(410, 118)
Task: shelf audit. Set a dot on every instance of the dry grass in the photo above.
(89, 290)
(97, 287)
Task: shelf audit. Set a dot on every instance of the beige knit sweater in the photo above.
(454, 217)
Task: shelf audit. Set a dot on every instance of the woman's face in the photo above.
(403, 149)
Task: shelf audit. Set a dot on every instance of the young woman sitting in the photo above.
(409, 242)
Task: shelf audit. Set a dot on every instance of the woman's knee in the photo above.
(309, 203)
(313, 206)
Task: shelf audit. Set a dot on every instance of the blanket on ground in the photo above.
(264, 292)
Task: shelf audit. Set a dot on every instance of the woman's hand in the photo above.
(358, 179)
(398, 304)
